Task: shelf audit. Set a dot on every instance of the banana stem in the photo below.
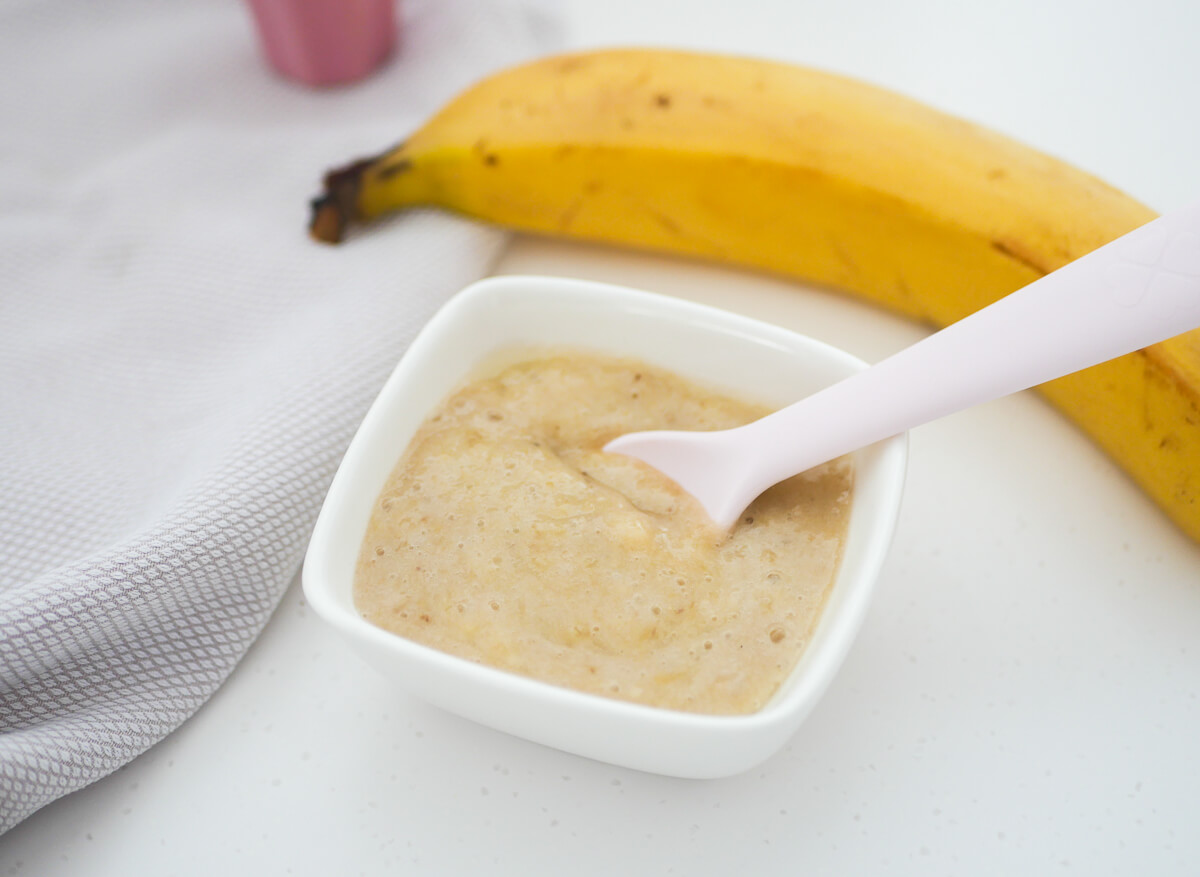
(334, 210)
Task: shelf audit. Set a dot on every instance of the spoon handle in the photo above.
(1141, 288)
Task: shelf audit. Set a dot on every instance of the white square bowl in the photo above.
(725, 351)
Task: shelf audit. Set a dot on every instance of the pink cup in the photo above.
(325, 42)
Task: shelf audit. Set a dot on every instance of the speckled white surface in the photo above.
(1023, 698)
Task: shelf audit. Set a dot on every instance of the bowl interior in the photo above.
(492, 321)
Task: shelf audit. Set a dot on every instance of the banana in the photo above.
(800, 173)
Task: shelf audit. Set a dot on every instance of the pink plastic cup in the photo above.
(325, 42)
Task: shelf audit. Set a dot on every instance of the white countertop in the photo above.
(1023, 698)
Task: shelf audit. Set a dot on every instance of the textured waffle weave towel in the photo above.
(180, 367)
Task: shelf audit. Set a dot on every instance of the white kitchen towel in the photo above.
(181, 368)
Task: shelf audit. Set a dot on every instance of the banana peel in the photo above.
(801, 173)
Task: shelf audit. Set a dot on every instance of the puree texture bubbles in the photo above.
(505, 535)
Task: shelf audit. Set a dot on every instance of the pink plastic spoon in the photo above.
(1141, 288)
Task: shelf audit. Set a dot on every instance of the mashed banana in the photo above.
(506, 536)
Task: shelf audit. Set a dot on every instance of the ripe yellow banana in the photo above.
(798, 172)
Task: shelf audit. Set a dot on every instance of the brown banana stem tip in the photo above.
(333, 211)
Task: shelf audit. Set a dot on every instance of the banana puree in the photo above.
(505, 535)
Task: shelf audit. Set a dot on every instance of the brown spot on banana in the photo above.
(915, 304)
(639, 80)
(668, 224)
(847, 260)
(396, 167)
(480, 147)
(569, 212)
(571, 63)
(1013, 250)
